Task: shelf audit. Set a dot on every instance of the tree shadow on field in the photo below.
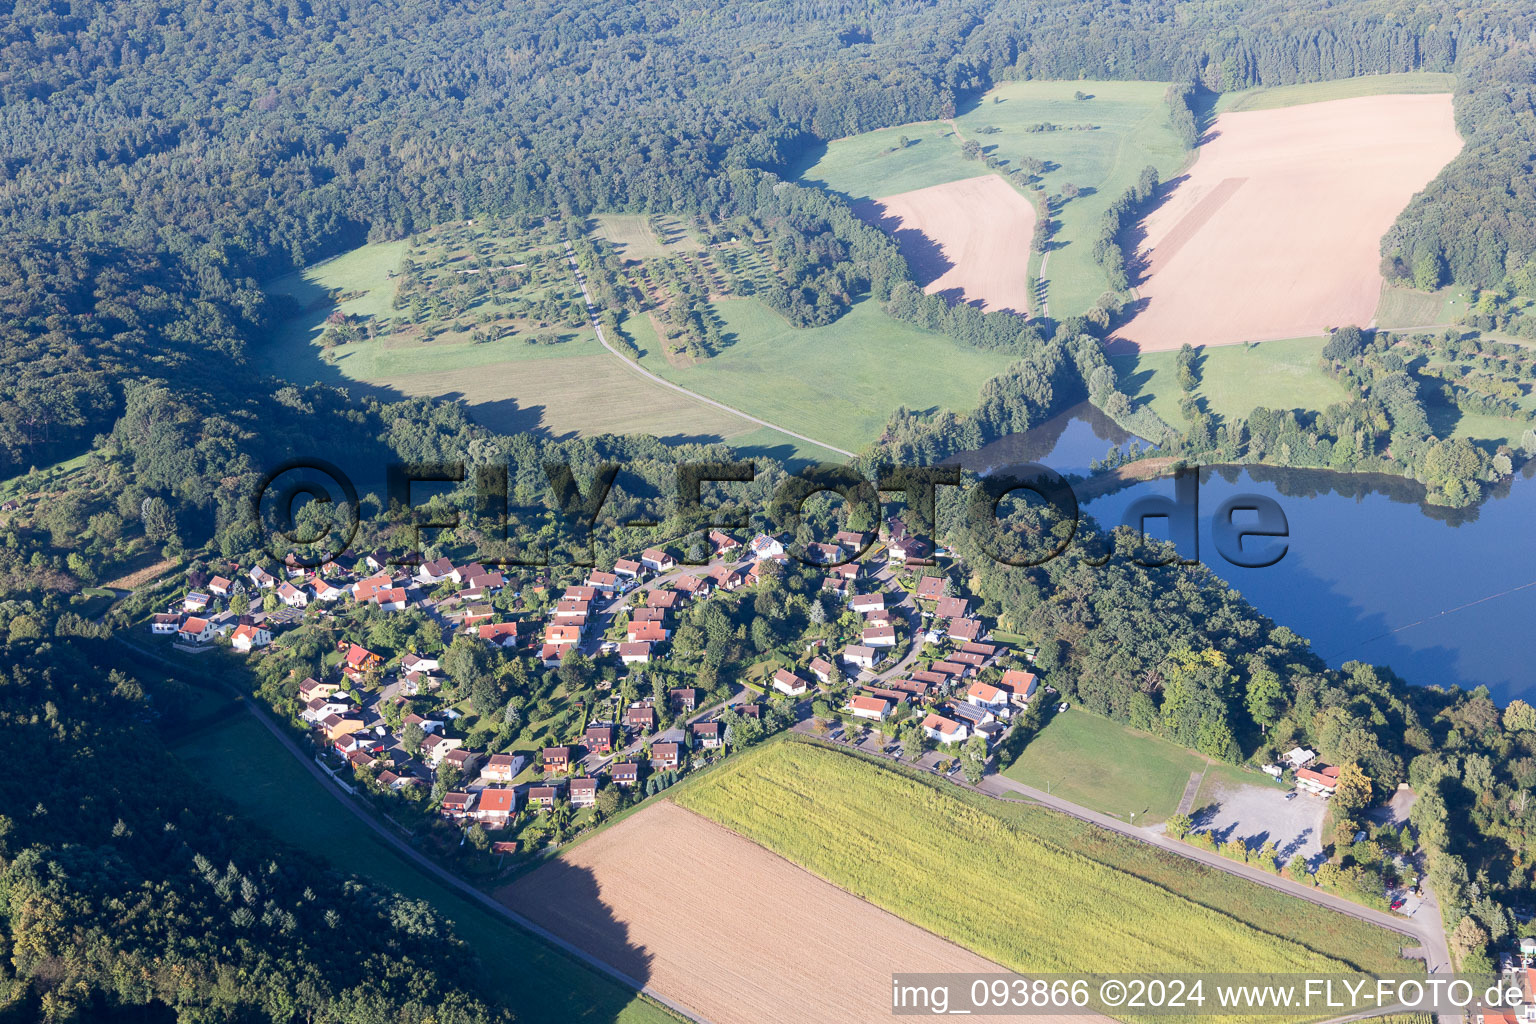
(566, 901)
(923, 254)
(1133, 238)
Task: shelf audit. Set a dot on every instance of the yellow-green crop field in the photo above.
(969, 875)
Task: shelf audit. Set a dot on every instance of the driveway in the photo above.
(1259, 814)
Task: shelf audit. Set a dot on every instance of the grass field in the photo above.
(1342, 89)
(966, 874)
(1131, 130)
(838, 383)
(1408, 307)
(248, 766)
(631, 233)
(1101, 764)
(1235, 379)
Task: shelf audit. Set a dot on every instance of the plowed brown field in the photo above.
(720, 925)
(1275, 231)
(968, 240)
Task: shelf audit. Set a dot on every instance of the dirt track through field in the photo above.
(967, 240)
(1275, 231)
(723, 926)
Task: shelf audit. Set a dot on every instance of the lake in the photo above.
(1442, 596)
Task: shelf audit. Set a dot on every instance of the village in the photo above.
(891, 657)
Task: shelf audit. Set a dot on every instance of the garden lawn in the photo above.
(838, 383)
(245, 763)
(1103, 765)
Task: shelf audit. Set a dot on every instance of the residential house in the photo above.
(221, 587)
(487, 583)
(495, 807)
(164, 624)
(640, 716)
(748, 710)
(502, 767)
(863, 603)
(821, 668)
(944, 730)
(932, 588)
(905, 546)
(972, 647)
(825, 554)
(435, 747)
(504, 846)
(335, 726)
(965, 630)
(952, 607)
(862, 656)
(360, 660)
(765, 546)
(292, 596)
(417, 663)
(583, 792)
(600, 738)
(722, 542)
(365, 590)
(708, 735)
(604, 581)
(950, 669)
(464, 760)
(726, 577)
(247, 638)
(647, 614)
(879, 636)
(836, 585)
(502, 634)
(317, 709)
(579, 593)
(195, 602)
(930, 678)
(569, 608)
(457, 805)
(311, 688)
(657, 560)
(435, 571)
(694, 586)
(325, 590)
(262, 578)
(646, 632)
(562, 635)
(851, 539)
(666, 600)
(972, 715)
(786, 681)
(638, 653)
(626, 774)
(544, 797)
(974, 661)
(870, 707)
(195, 631)
(666, 756)
(627, 567)
(557, 759)
(464, 573)
(848, 571)
(1020, 685)
(683, 699)
(391, 599)
(1321, 781)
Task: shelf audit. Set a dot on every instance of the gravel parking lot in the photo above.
(1260, 814)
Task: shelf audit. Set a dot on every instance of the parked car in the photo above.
(1291, 795)
(1398, 904)
(1062, 706)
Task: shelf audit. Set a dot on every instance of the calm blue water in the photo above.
(1372, 574)
(1068, 443)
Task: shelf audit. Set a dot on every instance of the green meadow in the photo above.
(839, 383)
(1340, 89)
(1234, 379)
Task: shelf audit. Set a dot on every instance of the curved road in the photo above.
(581, 282)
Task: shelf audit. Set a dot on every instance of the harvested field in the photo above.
(1274, 232)
(966, 240)
(724, 927)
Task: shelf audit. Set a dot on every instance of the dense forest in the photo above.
(157, 162)
(122, 886)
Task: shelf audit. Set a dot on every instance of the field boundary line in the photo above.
(581, 283)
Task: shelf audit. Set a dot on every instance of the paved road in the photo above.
(419, 860)
(1430, 933)
(581, 282)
